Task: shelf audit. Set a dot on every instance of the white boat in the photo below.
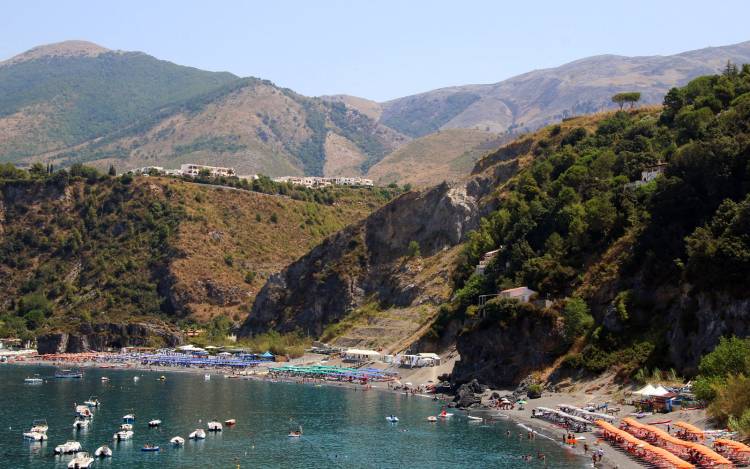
(432, 418)
(82, 460)
(136, 378)
(83, 411)
(130, 418)
(392, 418)
(35, 436)
(123, 435)
(69, 447)
(92, 401)
(39, 426)
(474, 419)
(126, 426)
(36, 379)
(80, 424)
(103, 451)
(104, 379)
(230, 422)
(207, 377)
(154, 423)
(198, 434)
(214, 427)
(177, 441)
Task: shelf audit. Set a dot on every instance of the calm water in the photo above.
(342, 428)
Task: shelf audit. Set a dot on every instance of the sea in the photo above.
(341, 428)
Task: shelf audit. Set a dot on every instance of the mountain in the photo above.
(79, 102)
(630, 227)
(59, 95)
(531, 100)
(82, 251)
(446, 155)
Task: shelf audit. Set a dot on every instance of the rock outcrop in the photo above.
(108, 336)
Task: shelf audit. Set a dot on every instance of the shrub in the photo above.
(413, 249)
(578, 319)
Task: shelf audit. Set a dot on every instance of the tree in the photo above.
(414, 249)
(112, 171)
(631, 97)
(577, 318)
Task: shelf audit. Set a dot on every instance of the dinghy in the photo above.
(150, 448)
(35, 436)
(230, 422)
(432, 418)
(177, 441)
(154, 423)
(198, 434)
(92, 401)
(80, 423)
(392, 419)
(81, 461)
(474, 419)
(103, 451)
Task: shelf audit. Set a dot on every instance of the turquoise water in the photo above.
(342, 428)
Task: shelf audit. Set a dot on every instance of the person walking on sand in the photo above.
(585, 448)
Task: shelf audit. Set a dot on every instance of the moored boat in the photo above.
(154, 423)
(83, 411)
(392, 419)
(69, 447)
(103, 451)
(92, 401)
(80, 423)
(432, 418)
(35, 436)
(214, 427)
(123, 435)
(82, 460)
(36, 379)
(198, 434)
(129, 418)
(126, 426)
(39, 426)
(65, 374)
(230, 422)
(150, 448)
(177, 441)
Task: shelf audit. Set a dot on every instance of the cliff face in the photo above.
(364, 263)
(109, 336)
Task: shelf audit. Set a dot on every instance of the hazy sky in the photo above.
(376, 49)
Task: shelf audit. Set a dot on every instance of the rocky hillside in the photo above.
(78, 102)
(451, 155)
(537, 98)
(634, 273)
(80, 249)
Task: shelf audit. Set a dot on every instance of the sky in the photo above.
(376, 49)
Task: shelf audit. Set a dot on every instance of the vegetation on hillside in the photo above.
(578, 218)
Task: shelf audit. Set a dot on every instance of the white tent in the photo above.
(647, 390)
(660, 391)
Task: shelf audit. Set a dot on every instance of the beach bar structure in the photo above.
(701, 455)
(640, 449)
(583, 413)
(359, 355)
(733, 450)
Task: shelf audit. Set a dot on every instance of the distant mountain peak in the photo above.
(73, 48)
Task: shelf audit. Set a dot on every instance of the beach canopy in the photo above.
(266, 354)
(646, 390)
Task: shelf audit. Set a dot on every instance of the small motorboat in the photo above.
(104, 379)
(392, 419)
(80, 423)
(68, 374)
(103, 451)
(474, 419)
(154, 423)
(35, 436)
(150, 448)
(83, 411)
(445, 415)
(432, 418)
(177, 441)
(214, 426)
(39, 426)
(126, 426)
(136, 379)
(130, 418)
(81, 461)
(69, 447)
(123, 435)
(295, 434)
(162, 378)
(36, 379)
(230, 422)
(207, 377)
(198, 434)
(92, 401)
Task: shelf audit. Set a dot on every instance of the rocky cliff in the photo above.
(109, 336)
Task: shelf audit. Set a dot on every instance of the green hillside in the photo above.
(82, 97)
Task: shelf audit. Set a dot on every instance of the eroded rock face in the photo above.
(108, 336)
(502, 355)
(359, 263)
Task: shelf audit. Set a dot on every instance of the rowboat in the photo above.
(150, 448)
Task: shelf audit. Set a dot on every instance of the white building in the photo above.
(486, 258)
(191, 169)
(359, 355)
(522, 294)
(652, 172)
(317, 182)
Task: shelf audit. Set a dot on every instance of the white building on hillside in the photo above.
(522, 294)
(191, 169)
